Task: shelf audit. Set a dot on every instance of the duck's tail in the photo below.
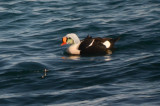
(116, 39)
(113, 41)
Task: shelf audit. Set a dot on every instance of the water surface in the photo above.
(30, 38)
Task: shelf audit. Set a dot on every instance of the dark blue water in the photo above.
(30, 38)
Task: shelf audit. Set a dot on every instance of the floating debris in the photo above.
(45, 73)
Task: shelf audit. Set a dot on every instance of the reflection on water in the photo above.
(107, 58)
(77, 57)
(74, 57)
(109, 52)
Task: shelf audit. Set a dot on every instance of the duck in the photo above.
(89, 45)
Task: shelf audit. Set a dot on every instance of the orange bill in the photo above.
(64, 41)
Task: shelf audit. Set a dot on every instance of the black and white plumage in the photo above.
(89, 45)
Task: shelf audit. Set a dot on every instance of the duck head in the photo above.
(70, 39)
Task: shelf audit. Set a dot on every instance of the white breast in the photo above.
(107, 44)
(73, 49)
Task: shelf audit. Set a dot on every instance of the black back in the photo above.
(85, 43)
(96, 48)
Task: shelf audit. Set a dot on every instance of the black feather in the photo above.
(85, 43)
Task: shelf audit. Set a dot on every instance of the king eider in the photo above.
(89, 45)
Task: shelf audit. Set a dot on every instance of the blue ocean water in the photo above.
(36, 71)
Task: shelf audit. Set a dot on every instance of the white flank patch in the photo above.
(91, 43)
(107, 44)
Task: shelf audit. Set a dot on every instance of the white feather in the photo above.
(107, 44)
(73, 49)
(91, 43)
